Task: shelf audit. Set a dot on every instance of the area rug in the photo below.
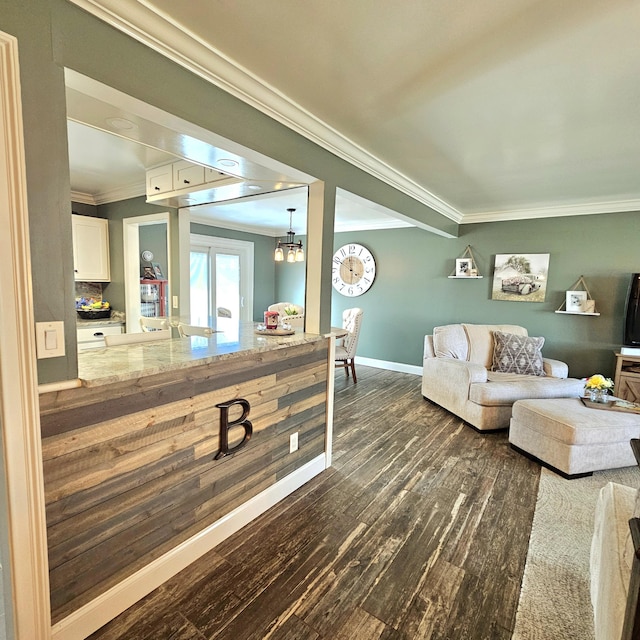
(555, 603)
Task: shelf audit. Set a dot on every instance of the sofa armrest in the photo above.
(453, 372)
(428, 348)
(555, 368)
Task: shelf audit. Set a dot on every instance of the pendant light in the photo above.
(295, 252)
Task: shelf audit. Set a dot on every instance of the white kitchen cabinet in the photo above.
(184, 183)
(213, 175)
(160, 180)
(90, 249)
(92, 337)
(187, 175)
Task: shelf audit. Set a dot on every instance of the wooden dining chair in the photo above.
(187, 330)
(154, 324)
(346, 347)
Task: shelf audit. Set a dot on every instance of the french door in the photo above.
(221, 280)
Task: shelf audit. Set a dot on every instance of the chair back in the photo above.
(132, 338)
(280, 308)
(154, 324)
(186, 330)
(351, 321)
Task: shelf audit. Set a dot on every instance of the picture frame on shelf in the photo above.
(157, 270)
(576, 301)
(463, 267)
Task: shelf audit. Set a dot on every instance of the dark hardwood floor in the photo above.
(419, 530)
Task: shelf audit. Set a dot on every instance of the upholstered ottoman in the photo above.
(572, 439)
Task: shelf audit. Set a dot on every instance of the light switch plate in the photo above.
(49, 339)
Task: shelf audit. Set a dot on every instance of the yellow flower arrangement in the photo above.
(598, 381)
(291, 311)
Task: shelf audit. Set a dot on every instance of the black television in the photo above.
(632, 314)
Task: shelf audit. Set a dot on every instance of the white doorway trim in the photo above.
(19, 406)
(131, 251)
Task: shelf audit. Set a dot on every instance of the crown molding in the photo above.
(156, 31)
(378, 225)
(114, 195)
(82, 198)
(232, 226)
(557, 211)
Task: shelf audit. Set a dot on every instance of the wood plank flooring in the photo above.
(420, 530)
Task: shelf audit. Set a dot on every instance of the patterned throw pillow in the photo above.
(517, 354)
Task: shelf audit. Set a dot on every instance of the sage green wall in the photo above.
(47, 168)
(53, 34)
(290, 279)
(154, 238)
(412, 292)
(264, 271)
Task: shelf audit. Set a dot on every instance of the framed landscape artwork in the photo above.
(520, 277)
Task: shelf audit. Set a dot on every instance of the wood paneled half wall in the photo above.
(131, 471)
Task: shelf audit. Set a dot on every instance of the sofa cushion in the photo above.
(517, 354)
(506, 388)
(480, 338)
(450, 341)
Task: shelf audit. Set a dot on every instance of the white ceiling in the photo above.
(500, 109)
(105, 167)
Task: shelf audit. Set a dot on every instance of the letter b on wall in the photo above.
(226, 426)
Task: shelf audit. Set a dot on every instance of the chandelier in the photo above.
(295, 252)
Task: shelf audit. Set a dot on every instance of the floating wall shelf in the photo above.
(467, 255)
(575, 287)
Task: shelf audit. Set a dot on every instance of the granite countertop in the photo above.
(97, 367)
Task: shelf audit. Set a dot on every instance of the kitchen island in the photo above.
(167, 448)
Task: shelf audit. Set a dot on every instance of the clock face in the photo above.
(353, 270)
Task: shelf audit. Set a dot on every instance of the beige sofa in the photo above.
(611, 560)
(457, 374)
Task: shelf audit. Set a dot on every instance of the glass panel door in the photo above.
(200, 309)
(221, 282)
(227, 290)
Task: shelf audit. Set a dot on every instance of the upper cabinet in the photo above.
(170, 183)
(90, 249)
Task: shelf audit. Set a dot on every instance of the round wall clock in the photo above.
(147, 255)
(353, 270)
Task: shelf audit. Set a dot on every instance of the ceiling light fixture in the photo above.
(122, 124)
(295, 252)
(227, 162)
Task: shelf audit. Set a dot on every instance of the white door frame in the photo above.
(19, 405)
(131, 251)
(246, 251)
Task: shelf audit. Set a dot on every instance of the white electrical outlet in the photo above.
(175, 302)
(293, 442)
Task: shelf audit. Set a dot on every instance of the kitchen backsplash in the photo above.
(89, 290)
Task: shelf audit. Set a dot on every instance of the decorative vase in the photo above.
(599, 395)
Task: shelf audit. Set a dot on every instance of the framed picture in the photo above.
(577, 301)
(463, 267)
(520, 277)
(157, 270)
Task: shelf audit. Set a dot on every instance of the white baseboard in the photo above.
(98, 612)
(390, 366)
